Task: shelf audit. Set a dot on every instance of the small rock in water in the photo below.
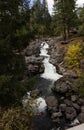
(52, 103)
(56, 114)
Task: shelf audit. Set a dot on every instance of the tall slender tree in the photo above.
(65, 10)
(45, 14)
(40, 17)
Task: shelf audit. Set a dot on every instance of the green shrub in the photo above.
(81, 30)
(11, 90)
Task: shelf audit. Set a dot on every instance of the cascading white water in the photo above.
(50, 70)
(49, 73)
(37, 105)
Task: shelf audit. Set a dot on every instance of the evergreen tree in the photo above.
(46, 16)
(80, 12)
(13, 31)
(40, 17)
(65, 11)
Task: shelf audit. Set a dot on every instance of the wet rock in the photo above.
(62, 98)
(57, 120)
(62, 85)
(68, 102)
(74, 98)
(71, 74)
(33, 60)
(76, 106)
(81, 117)
(82, 109)
(34, 65)
(56, 115)
(53, 61)
(63, 88)
(35, 93)
(34, 69)
(80, 101)
(70, 113)
(52, 103)
(61, 70)
(32, 48)
(63, 107)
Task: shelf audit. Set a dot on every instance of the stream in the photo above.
(44, 83)
(41, 118)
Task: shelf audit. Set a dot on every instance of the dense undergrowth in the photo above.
(73, 58)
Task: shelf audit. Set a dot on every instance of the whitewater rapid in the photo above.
(39, 104)
(50, 70)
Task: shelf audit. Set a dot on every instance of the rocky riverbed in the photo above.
(64, 107)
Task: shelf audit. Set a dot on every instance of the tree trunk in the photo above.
(68, 28)
(64, 33)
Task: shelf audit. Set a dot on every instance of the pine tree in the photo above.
(13, 22)
(65, 10)
(40, 17)
(45, 14)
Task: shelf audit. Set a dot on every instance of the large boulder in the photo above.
(33, 60)
(70, 113)
(33, 48)
(34, 69)
(62, 85)
(52, 103)
(34, 65)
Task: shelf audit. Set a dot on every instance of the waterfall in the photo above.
(50, 70)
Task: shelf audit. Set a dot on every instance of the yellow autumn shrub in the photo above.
(73, 56)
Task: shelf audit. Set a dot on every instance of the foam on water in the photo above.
(75, 122)
(50, 70)
(41, 104)
(37, 105)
